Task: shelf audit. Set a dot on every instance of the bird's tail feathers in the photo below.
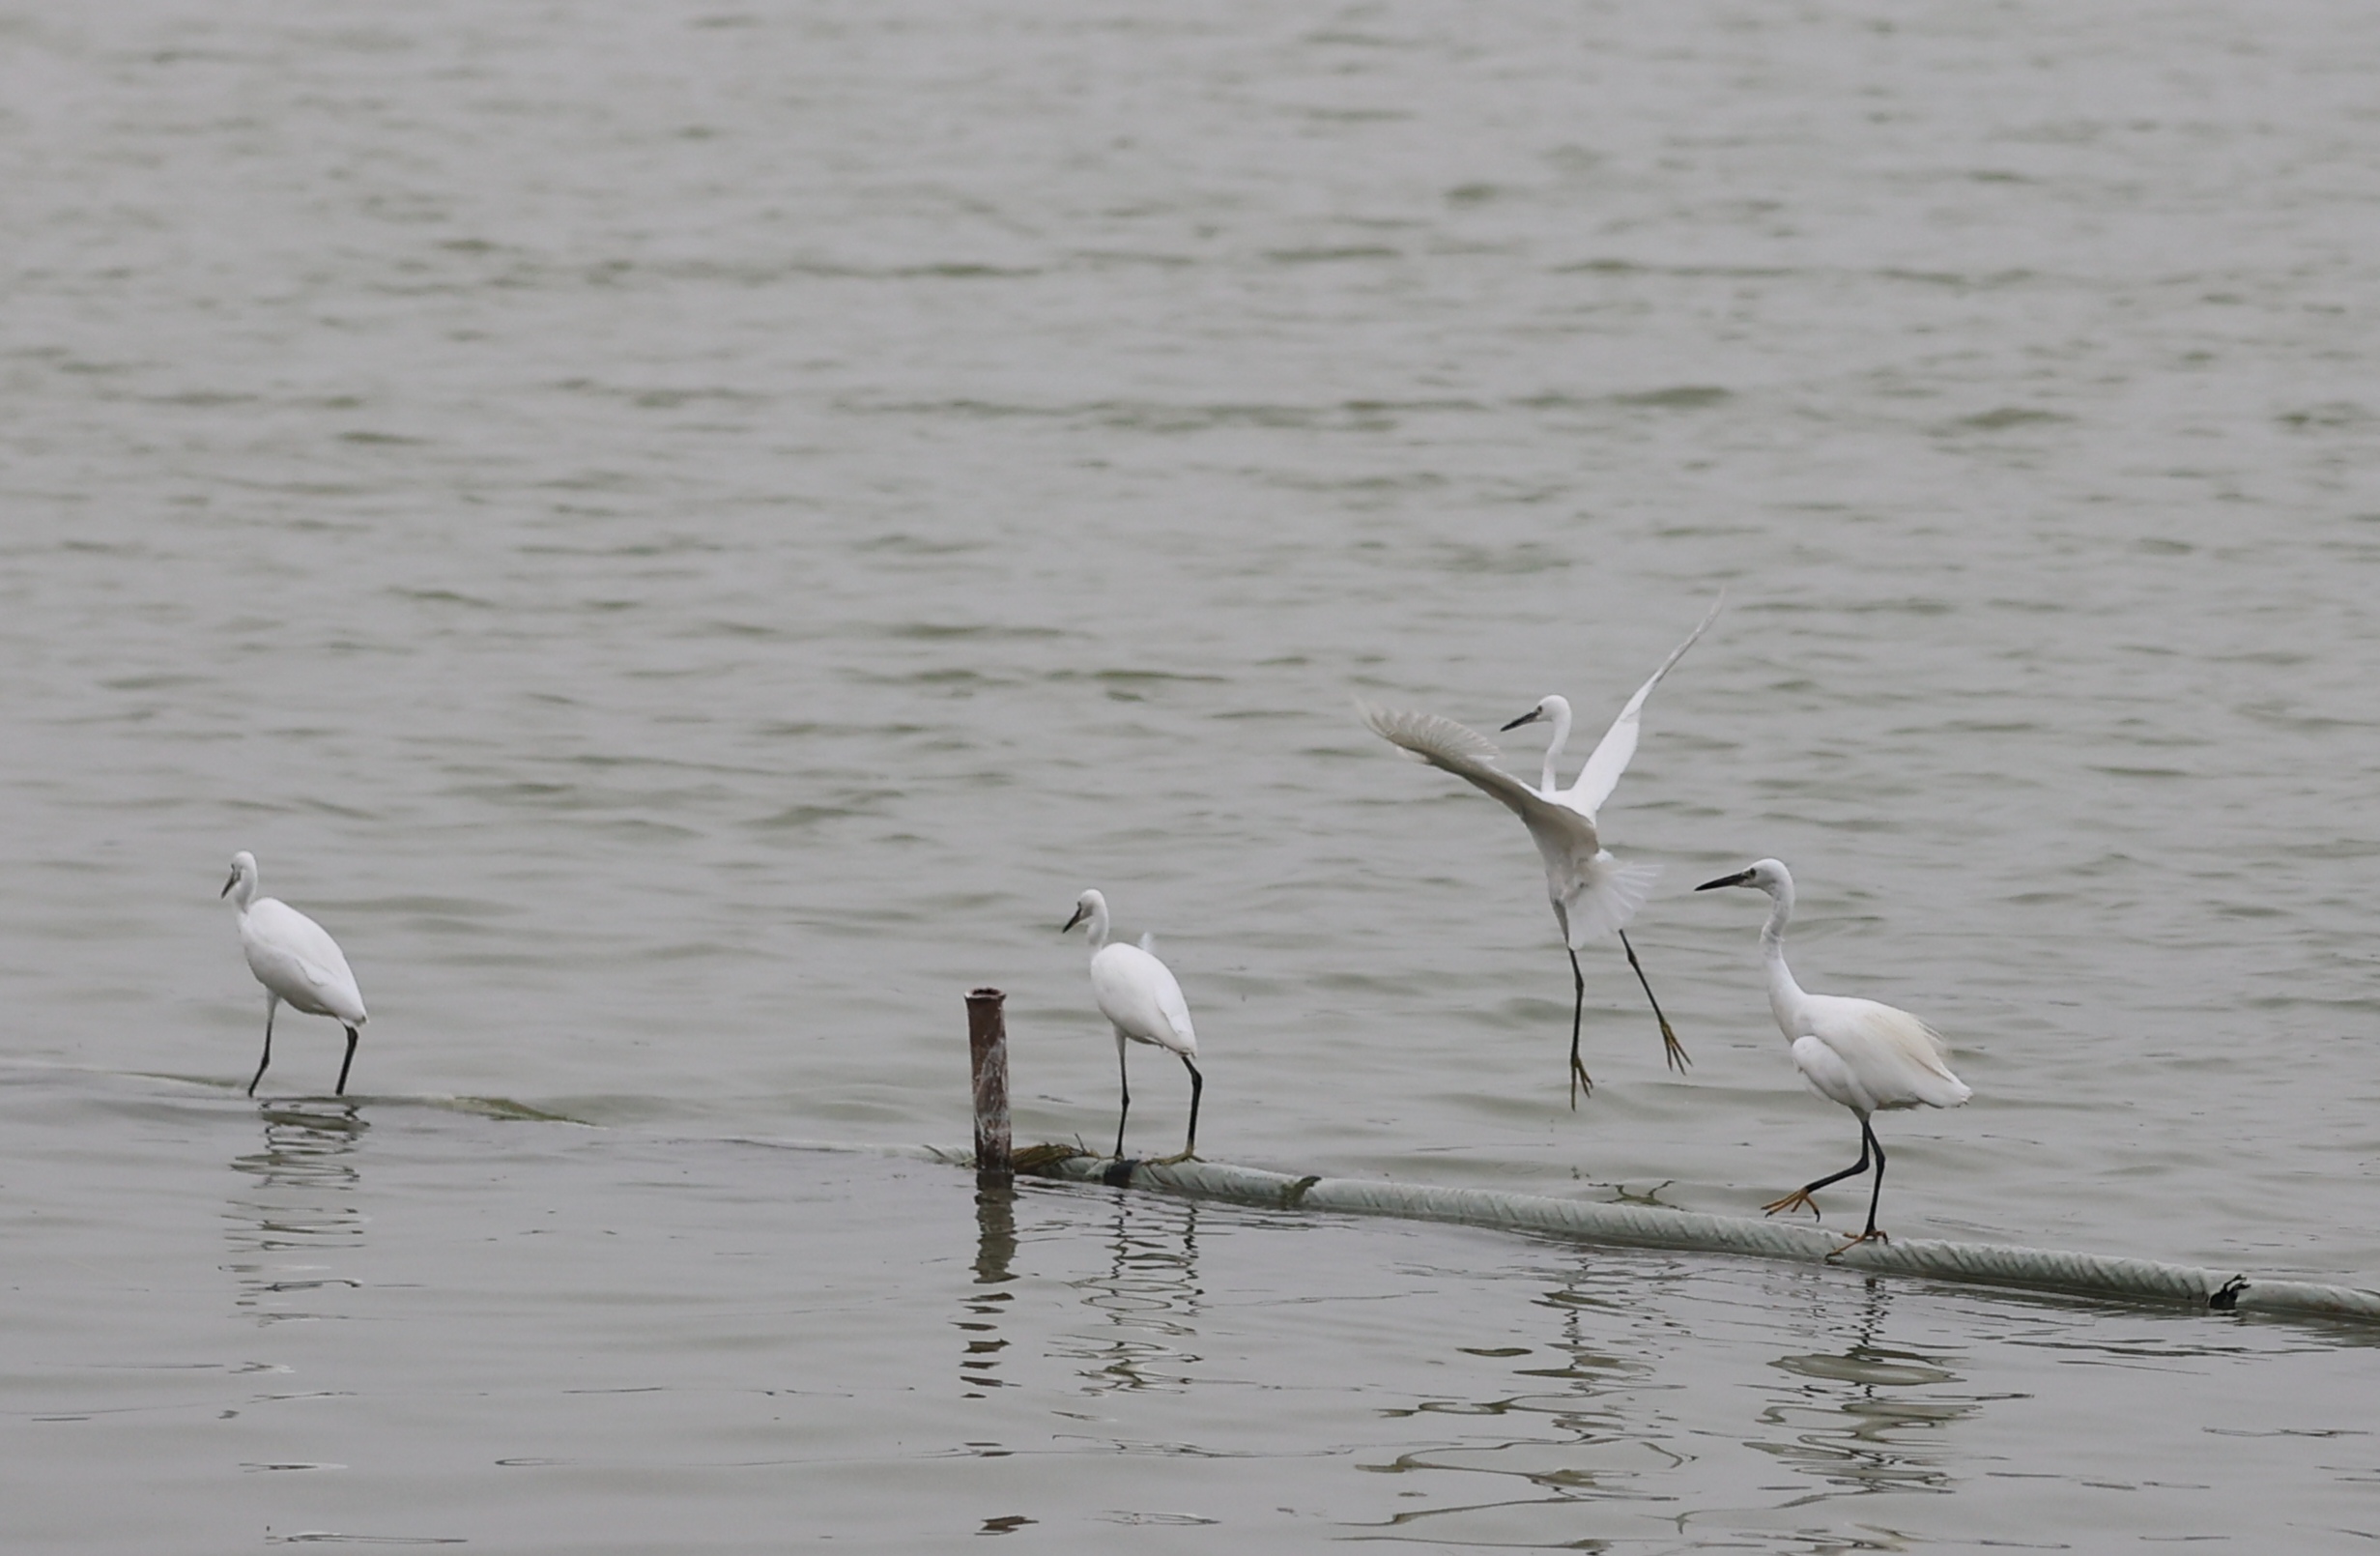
(1606, 906)
(1942, 1089)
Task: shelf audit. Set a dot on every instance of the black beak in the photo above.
(1079, 913)
(229, 884)
(1530, 717)
(1741, 877)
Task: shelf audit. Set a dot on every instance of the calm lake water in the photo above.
(686, 535)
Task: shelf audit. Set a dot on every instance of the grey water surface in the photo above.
(686, 535)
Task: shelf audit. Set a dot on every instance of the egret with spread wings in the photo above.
(1592, 893)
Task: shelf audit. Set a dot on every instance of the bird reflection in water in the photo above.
(296, 1202)
(1150, 1294)
(1591, 1426)
(1868, 1417)
(995, 1250)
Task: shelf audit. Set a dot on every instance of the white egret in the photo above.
(1592, 893)
(1138, 996)
(296, 959)
(1859, 1053)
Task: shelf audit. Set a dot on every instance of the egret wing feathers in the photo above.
(1617, 747)
(1594, 894)
(330, 988)
(1440, 741)
(1561, 830)
(297, 959)
(1176, 1011)
(1137, 993)
(1829, 1076)
(1893, 1058)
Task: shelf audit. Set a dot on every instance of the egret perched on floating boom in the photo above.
(1137, 994)
(1853, 1052)
(1592, 893)
(296, 959)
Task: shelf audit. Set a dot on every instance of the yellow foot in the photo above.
(1580, 1081)
(1798, 1199)
(1172, 1161)
(1853, 1243)
(1674, 1051)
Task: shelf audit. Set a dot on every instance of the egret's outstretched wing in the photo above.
(1470, 756)
(1591, 896)
(1617, 747)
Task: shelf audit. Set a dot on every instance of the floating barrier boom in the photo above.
(2033, 1269)
(2025, 1269)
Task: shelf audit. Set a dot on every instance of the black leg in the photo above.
(1124, 1083)
(1672, 1050)
(1578, 1012)
(345, 1062)
(273, 1004)
(1801, 1195)
(1867, 1138)
(1199, 1085)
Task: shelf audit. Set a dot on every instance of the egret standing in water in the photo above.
(1865, 1055)
(1137, 994)
(296, 959)
(1592, 893)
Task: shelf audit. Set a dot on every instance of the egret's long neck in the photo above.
(1784, 996)
(1096, 931)
(1553, 747)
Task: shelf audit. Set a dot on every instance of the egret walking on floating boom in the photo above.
(1592, 893)
(1137, 994)
(1865, 1055)
(296, 959)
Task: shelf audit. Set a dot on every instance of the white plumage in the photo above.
(296, 959)
(1142, 1001)
(1592, 893)
(1866, 1056)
